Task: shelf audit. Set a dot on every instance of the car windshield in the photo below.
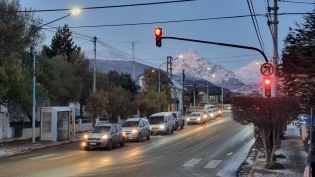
(195, 114)
(174, 114)
(100, 129)
(157, 120)
(130, 124)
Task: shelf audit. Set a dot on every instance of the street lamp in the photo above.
(179, 57)
(73, 12)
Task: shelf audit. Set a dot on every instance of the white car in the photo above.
(196, 117)
(136, 129)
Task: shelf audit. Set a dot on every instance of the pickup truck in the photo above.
(179, 120)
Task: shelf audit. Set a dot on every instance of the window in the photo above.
(212, 97)
(130, 124)
(100, 129)
(118, 128)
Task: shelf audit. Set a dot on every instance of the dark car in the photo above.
(105, 135)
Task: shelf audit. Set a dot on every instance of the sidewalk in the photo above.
(294, 161)
(19, 146)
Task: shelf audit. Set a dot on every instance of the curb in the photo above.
(36, 147)
(251, 173)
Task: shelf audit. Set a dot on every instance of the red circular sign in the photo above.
(267, 69)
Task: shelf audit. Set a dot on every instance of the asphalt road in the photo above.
(216, 148)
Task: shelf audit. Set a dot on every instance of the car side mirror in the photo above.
(113, 132)
(141, 126)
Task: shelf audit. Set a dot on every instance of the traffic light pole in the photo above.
(217, 43)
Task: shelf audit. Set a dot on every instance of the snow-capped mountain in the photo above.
(250, 74)
(195, 66)
(105, 55)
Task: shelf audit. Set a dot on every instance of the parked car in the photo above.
(196, 117)
(136, 129)
(162, 122)
(105, 135)
(179, 120)
(206, 115)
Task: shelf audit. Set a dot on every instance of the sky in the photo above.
(239, 31)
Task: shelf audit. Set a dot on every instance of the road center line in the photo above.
(61, 157)
(43, 156)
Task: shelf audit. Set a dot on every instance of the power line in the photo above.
(298, 2)
(189, 20)
(106, 7)
(251, 7)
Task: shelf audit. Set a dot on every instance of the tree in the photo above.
(297, 71)
(62, 44)
(97, 103)
(269, 117)
(60, 81)
(119, 101)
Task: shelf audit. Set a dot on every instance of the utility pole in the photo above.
(222, 98)
(133, 61)
(275, 23)
(94, 68)
(167, 65)
(169, 59)
(183, 92)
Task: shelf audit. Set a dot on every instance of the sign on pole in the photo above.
(267, 69)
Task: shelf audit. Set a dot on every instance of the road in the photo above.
(216, 148)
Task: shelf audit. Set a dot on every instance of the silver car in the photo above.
(196, 117)
(104, 135)
(136, 129)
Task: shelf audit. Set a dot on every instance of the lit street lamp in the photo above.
(180, 56)
(73, 12)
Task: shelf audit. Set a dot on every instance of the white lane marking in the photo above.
(213, 164)
(61, 157)
(191, 163)
(25, 156)
(43, 156)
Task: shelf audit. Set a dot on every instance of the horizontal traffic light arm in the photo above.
(217, 43)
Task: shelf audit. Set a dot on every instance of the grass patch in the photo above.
(280, 156)
(276, 166)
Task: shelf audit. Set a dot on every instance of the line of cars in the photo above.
(108, 135)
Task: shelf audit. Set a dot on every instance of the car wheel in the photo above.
(86, 148)
(139, 137)
(176, 126)
(148, 137)
(123, 142)
(110, 145)
(172, 131)
(183, 124)
(166, 133)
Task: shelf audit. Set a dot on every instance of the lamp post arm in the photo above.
(222, 44)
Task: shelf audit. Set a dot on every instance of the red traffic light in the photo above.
(267, 81)
(158, 32)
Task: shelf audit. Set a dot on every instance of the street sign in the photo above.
(267, 69)
(304, 119)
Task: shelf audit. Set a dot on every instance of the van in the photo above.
(162, 122)
(209, 106)
(102, 120)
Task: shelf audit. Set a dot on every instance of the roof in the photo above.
(161, 114)
(134, 119)
(177, 85)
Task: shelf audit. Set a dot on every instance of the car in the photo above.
(101, 120)
(213, 114)
(219, 112)
(206, 115)
(196, 117)
(104, 135)
(136, 129)
(179, 120)
(162, 122)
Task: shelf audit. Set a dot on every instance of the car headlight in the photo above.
(187, 119)
(134, 131)
(204, 116)
(85, 136)
(211, 114)
(104, 137)
(150, 128)
(198, 118)
(124, 134)
(162, 126)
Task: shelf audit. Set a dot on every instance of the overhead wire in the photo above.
(256, 30)
(106, 7)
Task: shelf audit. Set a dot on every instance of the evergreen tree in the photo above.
(62, 43)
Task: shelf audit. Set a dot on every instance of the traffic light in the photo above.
(158, 36)
(267, 85)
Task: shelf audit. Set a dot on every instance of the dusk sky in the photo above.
(235, 31)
